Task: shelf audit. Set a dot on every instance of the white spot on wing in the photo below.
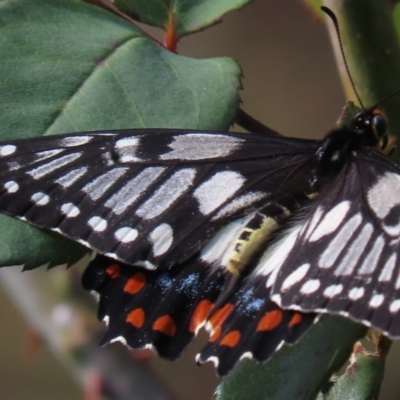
(11, 186)
(217, 190)
(212, 359)
(162, 238)
(73, 141)
(106, 134)
(333, 290)
(371, 260)
(394, 306)
(199, 146)
(70, 210)
(167, 194)
(145, 264)
(42, 155)
(132, 141)
(247, 354)
(376, 300)
(13, 165)
(392, 230)
(119, 339)
(295, 277)
(114, 256)
(310, 286)
(331, 221)
(71, 177)
(126, 234)
(276, 255)
(45, 169)
(272, 278)
(81, 241)
(380, 198)
(133, 189)
(314, 221)
(220, 247)
(40, 198)
(354, 253)
(277, 298)
(107, 156)
(356, 293)
(98, 224)
(397, 284)
(383, 198)
(98, 186)
(127, 148)
(387, 271)
(7, 149)
(239, 203)
(339, 242)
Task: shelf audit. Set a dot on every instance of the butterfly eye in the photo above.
(359, 118)
(379, 125)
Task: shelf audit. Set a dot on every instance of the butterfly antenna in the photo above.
(386, 98)
(332, 16)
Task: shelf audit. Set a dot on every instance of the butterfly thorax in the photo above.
(368, 129)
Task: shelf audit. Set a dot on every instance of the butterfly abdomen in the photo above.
(260, 229)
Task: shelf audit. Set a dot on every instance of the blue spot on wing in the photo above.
(190, 285)
(247, 303)
(164, 281)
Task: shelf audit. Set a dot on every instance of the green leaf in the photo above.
(67, 66)
(371, 46)
(295, 372)
(143, 86)
(188, 16)
(396, 19)
(363, 377)
(48, 51)
(23, 244)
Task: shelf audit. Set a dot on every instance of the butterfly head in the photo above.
(367, 129)
(371, 127)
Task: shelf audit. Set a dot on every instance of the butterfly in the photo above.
(249, 235)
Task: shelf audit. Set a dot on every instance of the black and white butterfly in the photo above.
(220, 229)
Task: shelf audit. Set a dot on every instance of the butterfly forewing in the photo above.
(146, 197)
(343, 255)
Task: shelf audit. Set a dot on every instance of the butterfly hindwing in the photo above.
(249, 325)
(159, 309)
(164, 310)
(120, 192)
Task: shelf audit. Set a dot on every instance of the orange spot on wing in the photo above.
(136, 317)
(296, 319)
(219, 316)
(165, 325)
(216, 334)
(231, 339)
(200, 314)
(270, 320)
(113, 271)
(135, 283)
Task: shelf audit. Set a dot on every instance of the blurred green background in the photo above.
(290, 84)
